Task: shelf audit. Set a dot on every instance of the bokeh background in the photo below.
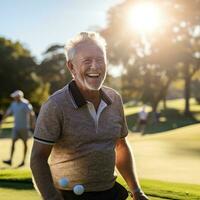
(153, 50)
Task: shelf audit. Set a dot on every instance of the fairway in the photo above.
(17, 184)
(5, 153)
(169, 156)
(175, 104)
(13, 194)
(162, 161)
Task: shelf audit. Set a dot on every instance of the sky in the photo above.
(38, 24)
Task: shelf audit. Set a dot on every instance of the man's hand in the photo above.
(139, 196)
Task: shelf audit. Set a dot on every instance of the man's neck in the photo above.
(92, 96)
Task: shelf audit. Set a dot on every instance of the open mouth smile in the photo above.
(93, 75)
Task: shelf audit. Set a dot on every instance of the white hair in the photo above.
(70, 47)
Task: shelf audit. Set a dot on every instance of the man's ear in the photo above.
(70, 67)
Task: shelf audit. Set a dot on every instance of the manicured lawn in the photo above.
(166, 162)
(177, 104)
(171, 118)
(168, 156)
(16, 184)
(14, 194)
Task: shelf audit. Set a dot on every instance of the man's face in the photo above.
(17, 98)
(89, 66)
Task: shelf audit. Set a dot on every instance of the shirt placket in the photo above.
(96, 115)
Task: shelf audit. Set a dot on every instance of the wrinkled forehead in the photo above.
(89, 49)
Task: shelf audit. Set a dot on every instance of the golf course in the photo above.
(167, 162)
(81, 74)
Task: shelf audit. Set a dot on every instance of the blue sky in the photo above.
(39, 24)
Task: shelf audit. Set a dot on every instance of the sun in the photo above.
(144, 17)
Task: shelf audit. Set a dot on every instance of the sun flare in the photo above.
(144, 17)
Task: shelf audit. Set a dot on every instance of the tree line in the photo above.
(19, 70)
(173, 53)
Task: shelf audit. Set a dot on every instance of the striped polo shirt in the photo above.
(83, 143)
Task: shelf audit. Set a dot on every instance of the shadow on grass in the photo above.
(172, 119)
(18, 185)
(5, 133)
(186, 150)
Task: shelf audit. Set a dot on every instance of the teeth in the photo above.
(93, 75)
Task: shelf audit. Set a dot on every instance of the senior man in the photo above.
(83, 128)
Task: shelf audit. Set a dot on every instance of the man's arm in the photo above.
(41, 171)
(126, 166)
(32, 120)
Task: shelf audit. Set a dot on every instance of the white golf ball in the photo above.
(63, 182)
(78, 189)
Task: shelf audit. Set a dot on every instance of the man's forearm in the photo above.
(126, 166)
(32, 120)
(43, 179)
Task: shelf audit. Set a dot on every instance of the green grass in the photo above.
(167, 190)
(172, 157)
(177, 104)
(22, 175)
(5, 144)
(171, 118)
(130, 110)
(13, 194)
(16, 184)
(8, 123)
(162, 159)
(168, 156)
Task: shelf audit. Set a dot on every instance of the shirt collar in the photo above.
(78, 98)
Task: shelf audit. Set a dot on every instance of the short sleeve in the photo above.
(48, 125)
(30, 107)
(124, 129)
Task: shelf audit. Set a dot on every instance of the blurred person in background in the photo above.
(142, 120)
(24, 121)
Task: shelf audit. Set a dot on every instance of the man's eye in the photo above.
(87, 61)
(100, 61)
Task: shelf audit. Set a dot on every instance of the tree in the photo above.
(195, 90)
(146, 76)
(52, 69)
(16, 69)
(185, 18)
(152, 62)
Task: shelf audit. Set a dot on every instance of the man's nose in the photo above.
(95, 64)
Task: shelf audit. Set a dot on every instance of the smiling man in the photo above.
(82, 128)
